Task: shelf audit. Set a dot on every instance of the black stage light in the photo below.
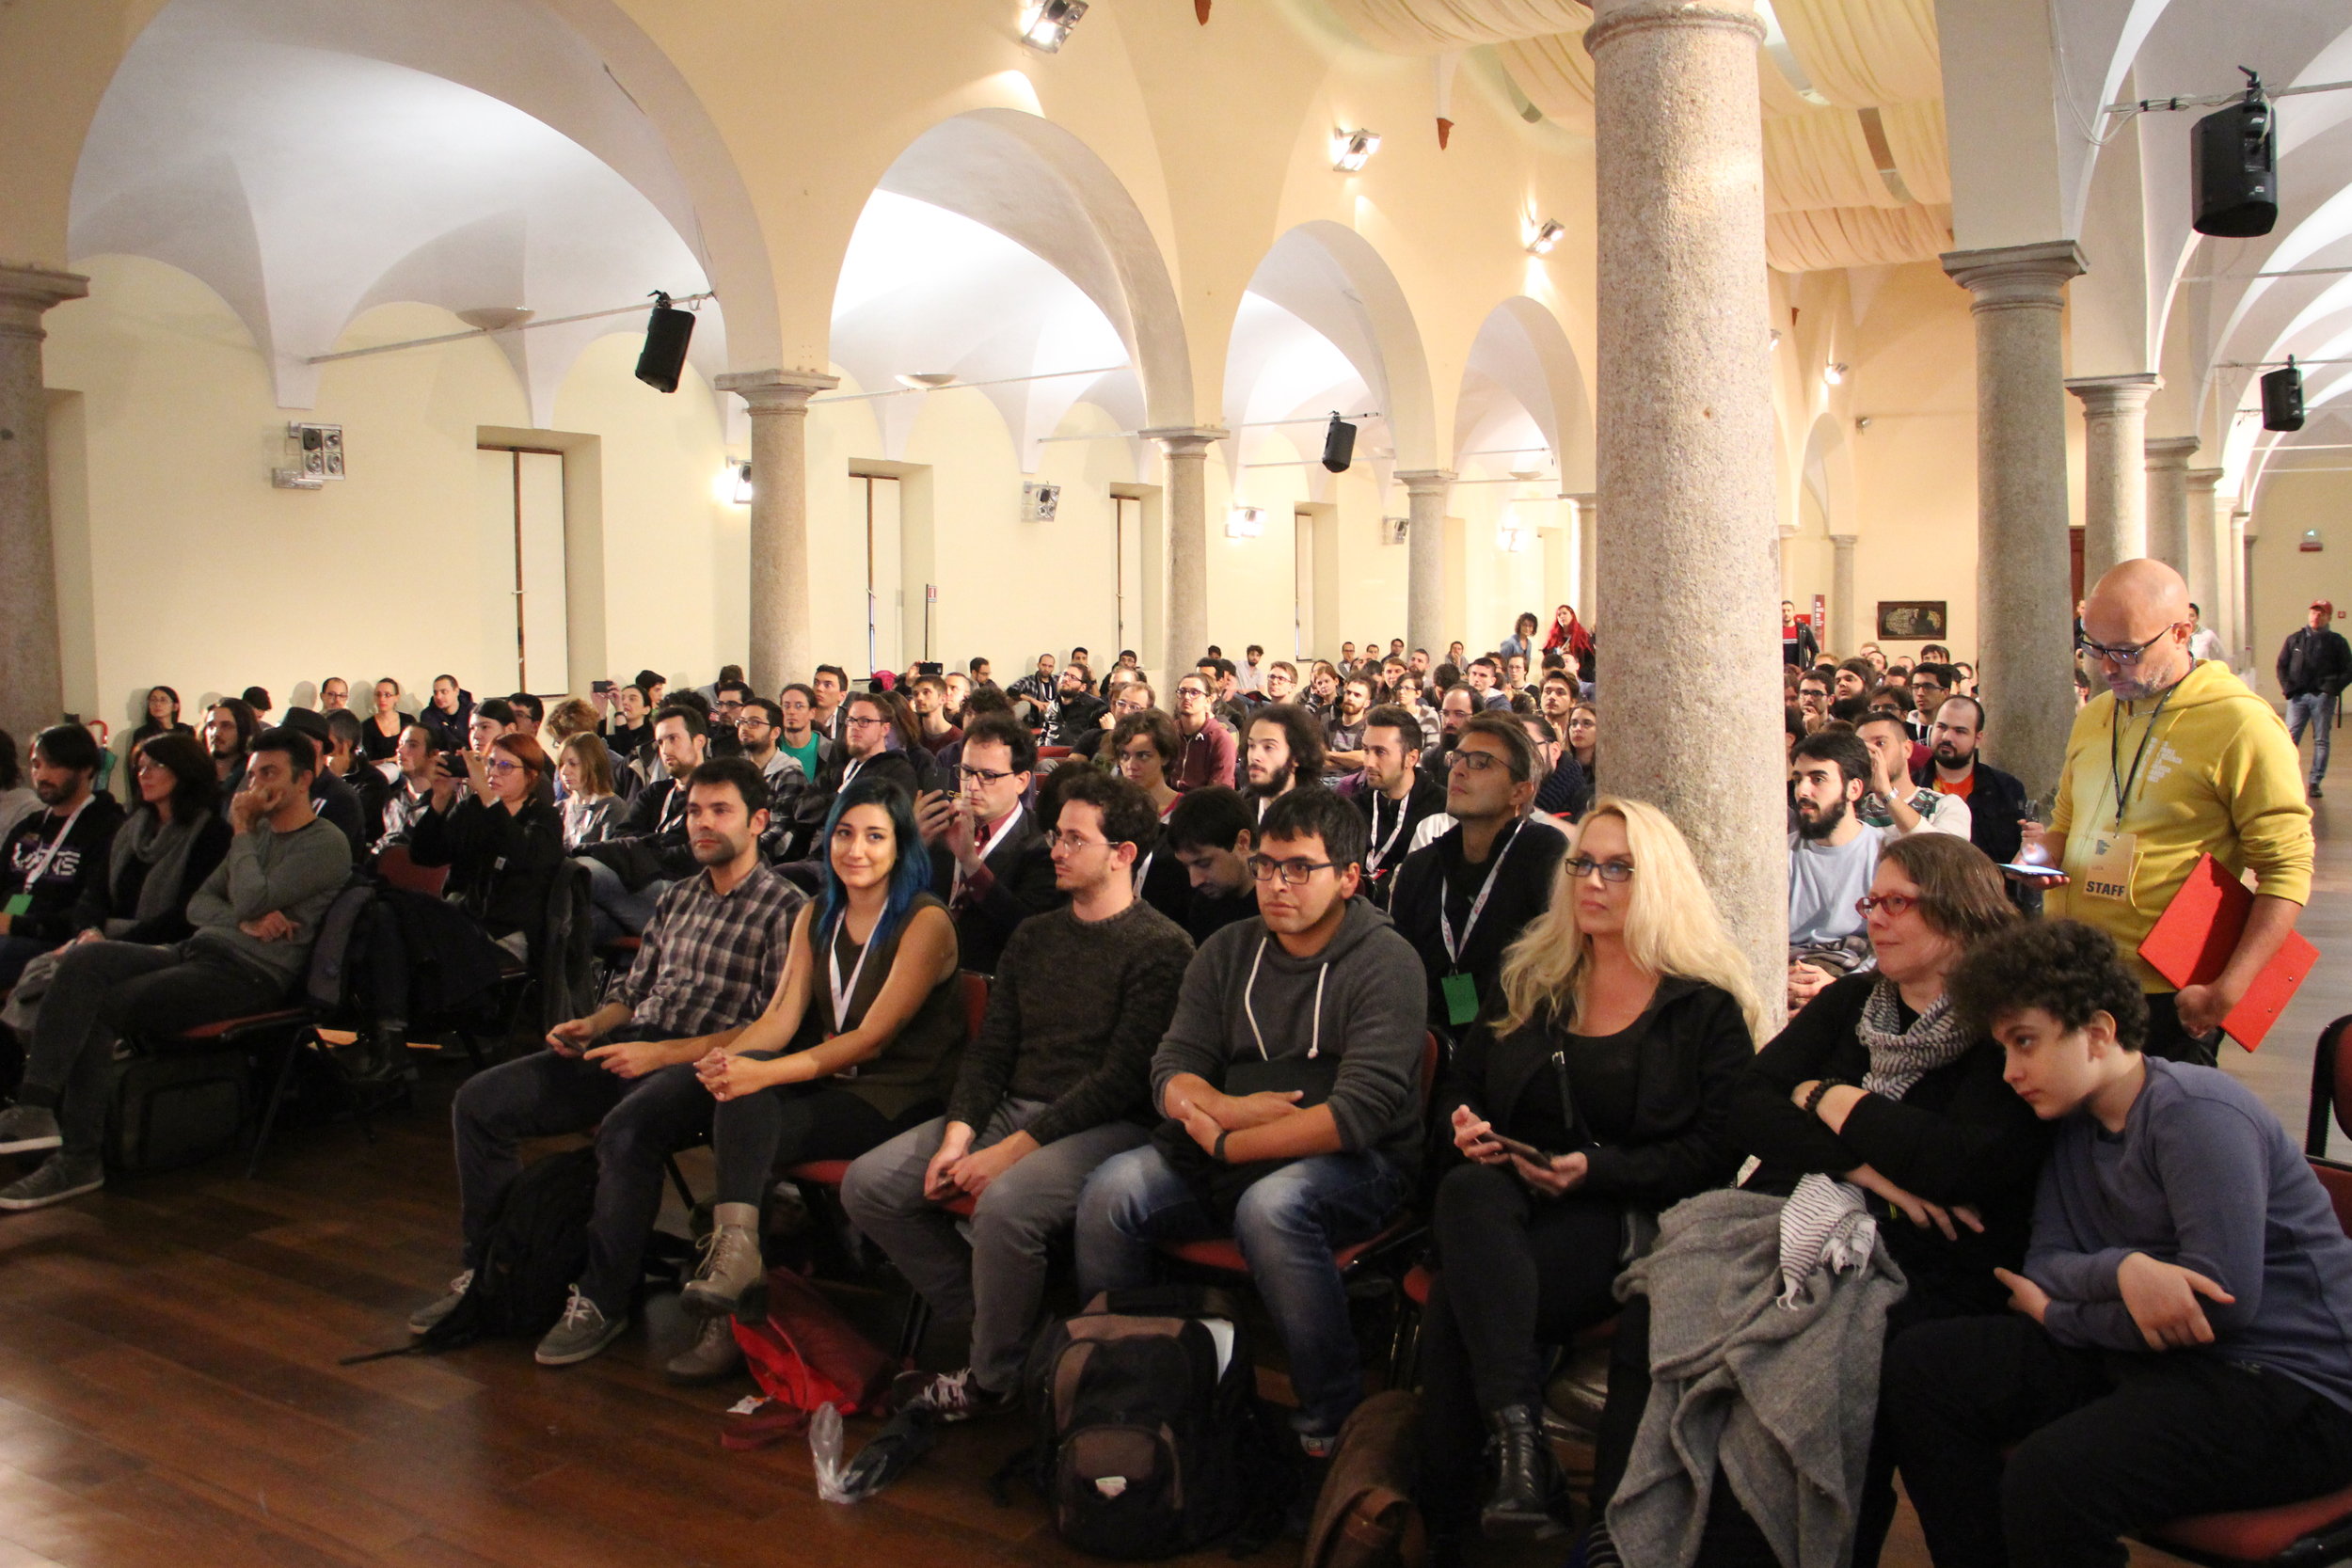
(1338, 444)
(668, 330)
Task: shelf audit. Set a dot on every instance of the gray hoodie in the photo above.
(1360, 1000)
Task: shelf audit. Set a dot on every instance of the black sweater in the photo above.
(501, 862)
(1522, 891)
(1960, 1137)
(1694, 1049)
(116, 895)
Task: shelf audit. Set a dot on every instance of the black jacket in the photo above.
(1996, 809)
(499, 861)
(1423, 801)
(76, 871)
(1018, 882)
(1960, 1135)
(448, 729)
(1695, 1048)
(2312, 660)
(1435, 878)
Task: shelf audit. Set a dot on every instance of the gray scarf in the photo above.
(1900, 1057)
(163, 846)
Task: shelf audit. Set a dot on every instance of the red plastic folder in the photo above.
(2199, 931)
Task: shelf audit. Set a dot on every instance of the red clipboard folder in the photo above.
(2192, 942)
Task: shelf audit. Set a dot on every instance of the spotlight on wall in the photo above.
(1547, 234)
(1834, 375)
(1511, 531)
(1338, 444)
(742, 483)
(1039, 502)
(668, 330)
(1245, 522)
(1045, 24)
(2233, 166)
(2282, 398)
(1395, 531)
(1351, 149)
(1776, 337)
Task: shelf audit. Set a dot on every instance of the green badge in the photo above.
(19, 906)
(1461, 998)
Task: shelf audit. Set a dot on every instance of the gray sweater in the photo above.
(1072, 1017)
(2204, 1177)
(1360, 1000)
(298, 873)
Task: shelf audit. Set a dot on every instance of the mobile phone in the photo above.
(601, 687)
(2035, 873)
(930, 667)
(1528, 1152)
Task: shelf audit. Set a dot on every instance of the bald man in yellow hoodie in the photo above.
(2176, 759)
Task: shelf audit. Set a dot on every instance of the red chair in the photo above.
(1052, 754)
(394, 866)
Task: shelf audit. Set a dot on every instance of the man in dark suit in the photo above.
(989, 857)
(1996, 801)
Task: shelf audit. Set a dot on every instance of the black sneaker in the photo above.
(59, 1177)
(28, 1130)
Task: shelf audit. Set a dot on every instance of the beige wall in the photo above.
(2287, 578)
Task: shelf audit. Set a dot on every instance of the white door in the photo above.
(886, 595)
(1130, 581)
(1303, 629)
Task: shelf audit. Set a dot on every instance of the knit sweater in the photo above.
(297, 874)
(1076, 1010)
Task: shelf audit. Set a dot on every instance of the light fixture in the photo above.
(1351, 149)
(1776, 337)
(742, 485)
(1834, 375)
(925, 381)
(1245, 522)
(1045, 24)
(1547, 234)
(495, 318)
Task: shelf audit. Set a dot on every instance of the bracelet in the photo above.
(1813, 1101)
(1218, 1153)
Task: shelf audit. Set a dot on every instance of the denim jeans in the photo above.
(2318, 710)
(1287, 1225)
(618, 912)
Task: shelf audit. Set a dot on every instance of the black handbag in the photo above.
(1220, 1185)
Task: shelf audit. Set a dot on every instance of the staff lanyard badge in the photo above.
(1459, 990)
(2114, 853)
(1461, 998)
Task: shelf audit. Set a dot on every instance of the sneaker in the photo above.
(732, 1278)
(59, 1177)
(28, 1128)
(582, 1331)
(423, 1318)
(949, 1396)
(713, 1354)
(2314, 792)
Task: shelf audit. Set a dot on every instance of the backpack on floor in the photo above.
(1150, 1437)
(536, 1248)
(1365, 1516)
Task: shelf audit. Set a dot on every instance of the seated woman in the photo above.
(592, 810)
(379, 735)
(1878, 1085)
(860, 1043)
(1627, 1020)
(1144, 748)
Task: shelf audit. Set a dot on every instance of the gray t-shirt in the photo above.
(1823, 883)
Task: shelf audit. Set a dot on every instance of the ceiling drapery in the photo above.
(1819, 163)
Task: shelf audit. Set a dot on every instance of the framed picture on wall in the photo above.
(1911, 619)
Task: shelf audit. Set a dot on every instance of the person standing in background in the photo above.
(2314, 665)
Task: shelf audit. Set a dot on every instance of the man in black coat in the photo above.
(989, 857)
(628, 873)
(2314, 666)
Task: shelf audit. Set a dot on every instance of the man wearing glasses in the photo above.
(1290, 1079)
(1129, 696)
(988, 857)
(2175, 760)
(1207, 749)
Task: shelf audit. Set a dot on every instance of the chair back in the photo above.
(400, 870)
(1430, 1056)
(2338, 1180)
(973, 986)
(2331, 1086)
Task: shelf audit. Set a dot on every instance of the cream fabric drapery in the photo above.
(1441, 26)
(1855, 236)
(1820, 160)
(1915, 134)
(1866, 54)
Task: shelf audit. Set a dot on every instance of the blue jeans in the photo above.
(1287, 1225)
(2318, 710)
(618, 912)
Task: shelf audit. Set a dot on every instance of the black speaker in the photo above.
(2282, 398)
(1339, 445)
(2233, 167)
(668, 330)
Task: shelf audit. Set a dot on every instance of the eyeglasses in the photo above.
(1895, 905)
(1294, 873)
(2128, 653)
(981, 775)
(501, 765)
(870, 724)
(1477, 762)
(1074, 842)
(1611, 871)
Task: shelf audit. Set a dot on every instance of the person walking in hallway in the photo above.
(2314, 666)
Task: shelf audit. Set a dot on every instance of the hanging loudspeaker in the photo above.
(2233, 166)
(1338, 444)
(668, 330)
(2282, 398)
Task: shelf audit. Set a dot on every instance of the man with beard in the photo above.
(1077, 711)
(1285, 745)
(628, 873)
(447, 715)
(1205, 755)
(1396, 798)
(1344, 729)
(229, 729)
(1832, 857)
(1454, 709)
(56, 854)
(1996, 801)
(1813, 699)
(1892, 801)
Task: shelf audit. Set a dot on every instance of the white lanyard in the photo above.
(1380, 851)
(981, 846)
(841, 993)
(39, 868)
(1478, 905)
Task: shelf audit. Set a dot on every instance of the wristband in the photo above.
(1217, 1153)
(1813, 1101)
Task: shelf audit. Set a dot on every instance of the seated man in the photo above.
(1209, 833)
(254, 918)
(1832, 857)
(408, 795)
(332, 801)
(55, 857)
(986, 849)
(1395, 798)
(2180, 1340)
(1057, 1083)
(346, 758)
(628, 873)
(1894, 801)
(711, 955)
(1291, 1081)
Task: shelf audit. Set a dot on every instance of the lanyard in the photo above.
(39, 868)
(842, 993)
(1478, 905)
(2120, 781)
(1374, 861)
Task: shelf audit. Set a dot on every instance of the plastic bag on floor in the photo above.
(903, 1439)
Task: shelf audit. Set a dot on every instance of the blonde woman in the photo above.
(591, 811)
(1626, 1019)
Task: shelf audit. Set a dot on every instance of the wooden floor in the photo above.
(169, 1393)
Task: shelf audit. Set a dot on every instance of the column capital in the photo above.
(26, 291)
(2171, 451)
(1426, 482)
(768, 391)
(1179, 441)
(1587, 500)
(2115, 394)
(1845, 541)
(2010, 276)
(1612, 16)
(2207, 480)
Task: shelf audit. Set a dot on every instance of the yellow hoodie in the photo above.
(2219, 777)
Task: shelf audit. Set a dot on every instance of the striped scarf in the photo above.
(1900, 1058)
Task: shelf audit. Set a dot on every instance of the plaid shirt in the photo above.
(708, 962)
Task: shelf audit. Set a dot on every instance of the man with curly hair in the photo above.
(2180, 1340)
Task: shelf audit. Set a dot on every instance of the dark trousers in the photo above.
(640, 1122)
(107, 990)
(1516, 1272)
(15, 952)
(2105, 1443)
(794, 1124)
(2168, 1039)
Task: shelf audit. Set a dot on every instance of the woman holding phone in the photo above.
(1595, 1096)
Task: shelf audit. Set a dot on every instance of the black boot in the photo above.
(1528, 1497)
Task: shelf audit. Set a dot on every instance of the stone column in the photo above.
(2115, 490)
(1842, 607)
(1426, 491)
(1587, 595)
(2025, 615)
(781, 648)
(2167, 502)
(1686, 448)
(1186, 620)
(2204, 549)
(2242, 591)
(32, 694)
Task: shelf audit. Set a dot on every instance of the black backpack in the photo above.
(1150, 1437)
(536, 1248)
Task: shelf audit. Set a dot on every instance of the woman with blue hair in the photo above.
(859, 1044)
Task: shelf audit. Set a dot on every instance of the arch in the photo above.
(1331, 278)
(1827, 470)
(1522, 350)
